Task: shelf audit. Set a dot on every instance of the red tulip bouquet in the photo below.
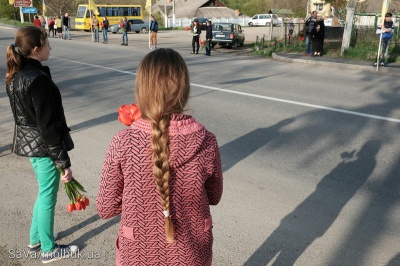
(73, 188)
(127, 114)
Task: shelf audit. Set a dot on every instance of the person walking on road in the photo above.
(309, 25)
(162, 173)
(104, 29)
(153, 33)
(66, 26)
(41, 133)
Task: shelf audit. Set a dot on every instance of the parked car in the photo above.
(227, 33)
(137, 25)
(265, 20)
(202, 23)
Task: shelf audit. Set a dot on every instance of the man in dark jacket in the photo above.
(66, 26)
(153, 33)
(308, 28)
(208, 37)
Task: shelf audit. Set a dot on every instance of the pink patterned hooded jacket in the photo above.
(128, 187)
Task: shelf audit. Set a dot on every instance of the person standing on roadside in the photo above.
(124, 29)
(66, 26)
(162, 173)
(41, 133)
(51, 26)
(104, 29)
(43, 21)
(58, 27)
(208, 38)
(37, 22)
(291, 27)
(196, 31)
(153, 33)
(308, 28)
(318, 36)
(387, 35)
(95, 27)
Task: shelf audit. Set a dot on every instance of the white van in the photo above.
(264, 20)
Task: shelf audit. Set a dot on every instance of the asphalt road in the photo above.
(310, 154)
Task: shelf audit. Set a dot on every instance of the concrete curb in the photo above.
(382, 70)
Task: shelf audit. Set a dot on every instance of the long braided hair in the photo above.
(162, 89)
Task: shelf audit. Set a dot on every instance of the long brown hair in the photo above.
(26, 39)
(162, 89)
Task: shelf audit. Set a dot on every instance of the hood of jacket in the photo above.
(184, 131)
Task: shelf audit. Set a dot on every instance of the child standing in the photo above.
(162, 173)
(387, 29)
(41, 133)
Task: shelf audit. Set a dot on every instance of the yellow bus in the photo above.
(114, 13)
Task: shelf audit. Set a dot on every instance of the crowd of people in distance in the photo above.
(59, 27)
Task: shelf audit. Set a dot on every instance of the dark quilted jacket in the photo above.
(40, 125)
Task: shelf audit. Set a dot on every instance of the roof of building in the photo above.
(192, 8)
(215, 12)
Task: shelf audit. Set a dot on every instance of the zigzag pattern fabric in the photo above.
(128, 187)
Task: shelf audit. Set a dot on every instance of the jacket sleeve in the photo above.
(109, 198)
(46, 100)
(214, 184)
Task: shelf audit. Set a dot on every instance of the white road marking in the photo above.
(6, 28)
(257, 96)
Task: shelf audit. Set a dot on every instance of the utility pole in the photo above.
(348, 26)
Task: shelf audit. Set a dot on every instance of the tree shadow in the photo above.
(313, 217)
(242, 147)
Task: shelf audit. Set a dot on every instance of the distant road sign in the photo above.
(29, 10)
(23, 3)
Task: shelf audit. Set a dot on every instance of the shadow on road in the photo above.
(240, 148)
(82, 240)
(94, 122)
(313, 217)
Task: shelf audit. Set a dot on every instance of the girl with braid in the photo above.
(163, 173)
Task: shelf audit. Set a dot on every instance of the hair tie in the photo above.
(166, 213)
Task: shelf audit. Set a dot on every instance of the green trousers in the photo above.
(42, 226)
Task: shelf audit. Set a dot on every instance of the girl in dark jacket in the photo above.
(196, 37)
(317, 37)
(41, 133)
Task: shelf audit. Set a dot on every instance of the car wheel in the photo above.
(235, 45)
(251, 24)
(144, 30)
(137, 31)
(268, 24)
(242, 43)
(114, 32)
